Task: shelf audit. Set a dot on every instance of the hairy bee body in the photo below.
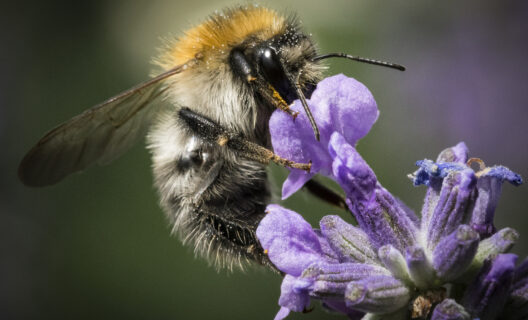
(213, 197)
(207, 113)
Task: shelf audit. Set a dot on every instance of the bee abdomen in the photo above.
(232, 229)
(233, 232)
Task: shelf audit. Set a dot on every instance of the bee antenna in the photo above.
(359, 59)
(301, 96)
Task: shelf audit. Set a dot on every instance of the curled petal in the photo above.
(291, 243)
(430, 170)
(503, 174)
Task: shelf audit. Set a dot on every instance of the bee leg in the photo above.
(253, 151)
(213, 132)
(326, 194)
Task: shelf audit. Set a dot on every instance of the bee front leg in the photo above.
(213, 132)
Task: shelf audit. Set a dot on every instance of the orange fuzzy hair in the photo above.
(220, 32)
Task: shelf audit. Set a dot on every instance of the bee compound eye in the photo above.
(270, 64)
(272, 69)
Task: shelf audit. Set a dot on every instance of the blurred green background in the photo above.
(97, 246)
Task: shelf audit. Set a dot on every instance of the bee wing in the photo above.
(98, 135)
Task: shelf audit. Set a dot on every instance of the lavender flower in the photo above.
(331, 94)
(449, 264)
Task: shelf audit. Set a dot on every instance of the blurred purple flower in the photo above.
(393, 265)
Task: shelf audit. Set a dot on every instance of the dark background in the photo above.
(97, 246)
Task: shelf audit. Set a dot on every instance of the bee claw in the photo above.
(295, 114)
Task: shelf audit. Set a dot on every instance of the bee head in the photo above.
(280, 63)
(279, 70)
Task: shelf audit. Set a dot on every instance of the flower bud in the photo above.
(450, 310)
(454, 253)
(377, 294)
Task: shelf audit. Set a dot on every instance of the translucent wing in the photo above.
(98, 135)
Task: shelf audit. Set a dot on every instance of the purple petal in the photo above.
(410, 213)
(483, 212)
(378, 213)
(294, 140)
(430, 170)
(283, 313)
(454, 253)
(489, 188)
(456, 154)
(290, 298)
(329, 253)
(450, 310)
(450, 210)
(377, 294)
(486, 296)
(402, 221)
(503, 174)
(352, 172)
(291, 137)
(338, 104)
(291, 243)
(350, 243)
(295, 181)
(431, 200)
(344, 105)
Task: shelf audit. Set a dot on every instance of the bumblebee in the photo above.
(206, 112)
